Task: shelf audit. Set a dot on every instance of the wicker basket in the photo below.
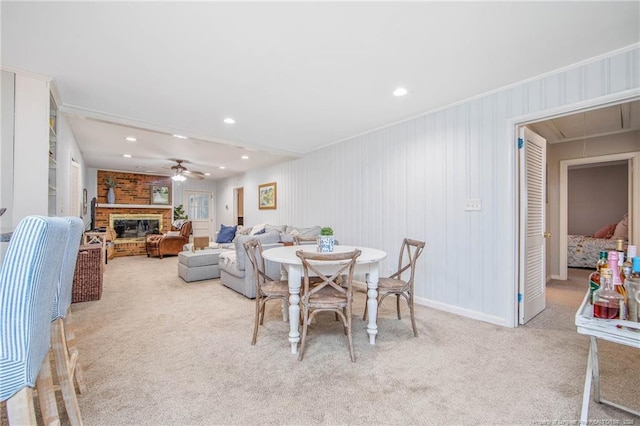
(87, 281)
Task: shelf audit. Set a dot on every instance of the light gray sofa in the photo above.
(236, 271)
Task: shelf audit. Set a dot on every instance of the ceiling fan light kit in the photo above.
(181, 172)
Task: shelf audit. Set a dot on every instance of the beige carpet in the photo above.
(159, 351)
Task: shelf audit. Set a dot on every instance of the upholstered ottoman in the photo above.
(199, 265)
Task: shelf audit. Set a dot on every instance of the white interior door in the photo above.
(532, 180)
(200, 211)
(76, 202)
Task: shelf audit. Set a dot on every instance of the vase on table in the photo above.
(325, 243)
(111, 196)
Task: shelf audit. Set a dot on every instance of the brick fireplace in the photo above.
(133, 214)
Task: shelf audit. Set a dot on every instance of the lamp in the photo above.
(178, 177)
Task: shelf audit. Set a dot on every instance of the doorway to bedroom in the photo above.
(592, 219)
(605, 132)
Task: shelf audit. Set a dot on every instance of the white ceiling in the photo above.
(296, 76)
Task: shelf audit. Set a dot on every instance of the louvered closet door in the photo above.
(533, 157)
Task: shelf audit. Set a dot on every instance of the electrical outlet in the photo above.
(473, 204)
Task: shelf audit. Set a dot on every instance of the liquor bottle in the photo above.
(620, 250)
(627, 265)
(594, 277)
(633, 290)
(606, 301)
(616, 282)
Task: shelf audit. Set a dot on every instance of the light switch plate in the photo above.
(473, 204)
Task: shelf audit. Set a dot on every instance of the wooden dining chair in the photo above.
(332, 293)
(28, 281)
(65, 351)
(266, 287)
(396, 285)
(304, 239)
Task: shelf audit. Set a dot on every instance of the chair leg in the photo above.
(76, 369)
(263, 304)
(350, 338)
(398, 305)
(46, 394)
(63, 372)
(257, 320)
(304, 334)
(20, 409)
(413, 315)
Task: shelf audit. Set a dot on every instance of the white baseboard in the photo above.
(492, 319)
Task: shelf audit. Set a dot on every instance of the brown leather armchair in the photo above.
(168, 244)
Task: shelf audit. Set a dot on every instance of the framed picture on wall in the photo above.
(267, 196)
(160, 194)
(84, 201)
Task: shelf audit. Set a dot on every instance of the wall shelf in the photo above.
(135, 206)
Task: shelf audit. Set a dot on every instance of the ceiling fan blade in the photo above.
(194, 175)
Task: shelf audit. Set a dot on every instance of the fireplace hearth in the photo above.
(135, 226)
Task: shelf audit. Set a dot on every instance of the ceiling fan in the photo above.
(181, 172)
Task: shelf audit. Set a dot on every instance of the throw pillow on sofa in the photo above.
(257, 229)
(226, 234)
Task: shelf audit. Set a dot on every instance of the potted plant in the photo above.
(178, 213)
(325, 240)
(111, 195)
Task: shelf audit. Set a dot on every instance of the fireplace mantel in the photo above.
(135, 206)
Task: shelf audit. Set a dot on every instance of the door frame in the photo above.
(633, 161)
(513, 123)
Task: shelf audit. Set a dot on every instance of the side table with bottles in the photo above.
(613, 330)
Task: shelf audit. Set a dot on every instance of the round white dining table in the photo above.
(366, 263)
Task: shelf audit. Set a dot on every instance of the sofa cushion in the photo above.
(306, 232)
(266, 238)
(279, 228)
(226, 234)
(257, 229)
(199, 258)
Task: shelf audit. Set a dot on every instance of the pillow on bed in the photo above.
(605, 232)
(622, 229)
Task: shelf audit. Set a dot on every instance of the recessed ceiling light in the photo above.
(130, 139)
(126, 155)
(245, 157)
(222, 167)
(207, 174)
(180, 137)
(400, 91)
(229, 120)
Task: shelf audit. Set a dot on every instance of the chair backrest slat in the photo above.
(409, 254)
(65, 282)
(313, 269)
(28, 282)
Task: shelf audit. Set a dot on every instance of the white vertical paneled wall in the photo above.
(412, 179)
